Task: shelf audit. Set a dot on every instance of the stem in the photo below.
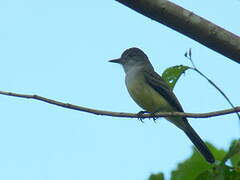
(189, 56)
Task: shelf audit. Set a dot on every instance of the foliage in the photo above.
(159, 176)
(226, 167)
(172, 74)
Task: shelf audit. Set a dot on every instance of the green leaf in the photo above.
(233, 150)
(206, 175)
(196, 168)
(220, 172)
(223, 172)
(159, 176)
(233, 175)
(195, 165)
(172, 74)
(218, 153)
(234, 153)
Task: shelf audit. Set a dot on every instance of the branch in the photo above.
(121, 114)
(189, 24)
(188, 55)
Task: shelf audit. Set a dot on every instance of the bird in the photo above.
(153, 94)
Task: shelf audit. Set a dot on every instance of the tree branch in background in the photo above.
(189, 24)
(120, 114)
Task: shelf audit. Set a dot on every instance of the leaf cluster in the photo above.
(227, 166)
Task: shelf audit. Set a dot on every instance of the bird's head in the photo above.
(131, 57)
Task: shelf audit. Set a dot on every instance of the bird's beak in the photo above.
(119, 61)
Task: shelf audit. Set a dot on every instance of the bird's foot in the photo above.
(153, 116)
(140, 117)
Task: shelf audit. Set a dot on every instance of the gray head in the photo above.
(132, 57)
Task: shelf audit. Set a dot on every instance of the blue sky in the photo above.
(59, 49)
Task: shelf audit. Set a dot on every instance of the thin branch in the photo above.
(189, 24)
(188, 55)
(121, 114)
(219, 90)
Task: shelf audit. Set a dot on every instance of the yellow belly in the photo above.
(147, 98)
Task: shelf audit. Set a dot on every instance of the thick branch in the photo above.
(189, 24)
(120, 114)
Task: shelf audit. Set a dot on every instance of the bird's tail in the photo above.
(198, 142)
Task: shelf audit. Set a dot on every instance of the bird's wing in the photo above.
(157, 83)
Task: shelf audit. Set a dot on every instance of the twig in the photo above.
(188, 55)
(121, 114)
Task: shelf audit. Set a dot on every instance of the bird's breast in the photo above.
(144, 95)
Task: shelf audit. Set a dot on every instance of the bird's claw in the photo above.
(140, 117)
(153, 116)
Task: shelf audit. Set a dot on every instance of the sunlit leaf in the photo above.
(172, 74)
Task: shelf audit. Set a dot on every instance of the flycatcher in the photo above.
(153, 94)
